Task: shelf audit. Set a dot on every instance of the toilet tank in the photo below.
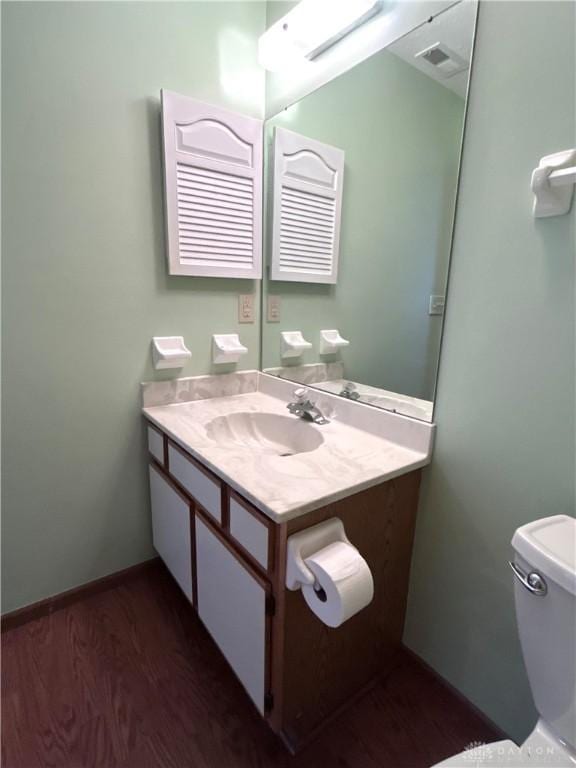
(546, 616)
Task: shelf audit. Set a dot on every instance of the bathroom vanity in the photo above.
(232, 476)
(352, 297)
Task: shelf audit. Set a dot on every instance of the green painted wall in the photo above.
(504, 452)
(85, 285)
(401, 133)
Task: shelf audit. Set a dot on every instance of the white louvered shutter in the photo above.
(213, 189)
(308, 177)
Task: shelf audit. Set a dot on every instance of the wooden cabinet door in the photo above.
(171, 529)
(232, 606)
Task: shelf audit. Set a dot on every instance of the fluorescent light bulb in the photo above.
(276, 50)
(321, 23)
(311, 28)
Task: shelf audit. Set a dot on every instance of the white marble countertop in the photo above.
(283, 487)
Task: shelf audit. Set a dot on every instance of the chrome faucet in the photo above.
(305, 409)
(350, 391)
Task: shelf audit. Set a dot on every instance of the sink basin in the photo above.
(265, 432)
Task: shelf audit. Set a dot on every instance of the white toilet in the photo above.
(545, 595)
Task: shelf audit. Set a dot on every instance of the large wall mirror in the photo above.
(361, 181)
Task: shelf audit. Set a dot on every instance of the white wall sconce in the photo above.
(331, 342)
(169, 352)
(227, 348)
(553, 184)
(311, 28)
(293, 344)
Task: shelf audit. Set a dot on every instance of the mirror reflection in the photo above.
(361, 180)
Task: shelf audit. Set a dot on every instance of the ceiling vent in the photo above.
(443, 59)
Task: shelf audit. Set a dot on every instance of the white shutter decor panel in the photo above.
(213, 189)
(308, 178)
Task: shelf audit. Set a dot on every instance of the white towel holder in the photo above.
(331, 342)
(553, 184)
(293, 344)
(227, 348)
(169, 352)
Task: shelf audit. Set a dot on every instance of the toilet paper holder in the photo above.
(305, 543)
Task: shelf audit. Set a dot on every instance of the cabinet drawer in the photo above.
(232, 606)
(250, 532)
(171, 529)
(198, 483)
(156, 444)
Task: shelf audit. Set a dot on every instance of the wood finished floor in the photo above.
(129, 678)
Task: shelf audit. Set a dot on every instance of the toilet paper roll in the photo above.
(343, 585)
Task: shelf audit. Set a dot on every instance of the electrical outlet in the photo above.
(273, 314)
(246, 308)
(436, 306)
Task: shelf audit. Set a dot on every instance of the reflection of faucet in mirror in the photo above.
(350, 391)
(305, 409)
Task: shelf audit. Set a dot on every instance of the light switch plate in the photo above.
(436, 306)
(246, 308)
(273, 314)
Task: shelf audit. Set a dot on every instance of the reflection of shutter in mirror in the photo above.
(306, 232)
(308, 177)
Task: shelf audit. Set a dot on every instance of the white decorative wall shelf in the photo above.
(227, 348)
(293, 344)
(331, 342)
(553, 184)
(169, 352)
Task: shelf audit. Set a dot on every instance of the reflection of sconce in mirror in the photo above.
(331, 342)
(169, 352)
(226, 348)
(293, 344)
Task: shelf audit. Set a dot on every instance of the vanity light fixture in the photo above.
(311, 28)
